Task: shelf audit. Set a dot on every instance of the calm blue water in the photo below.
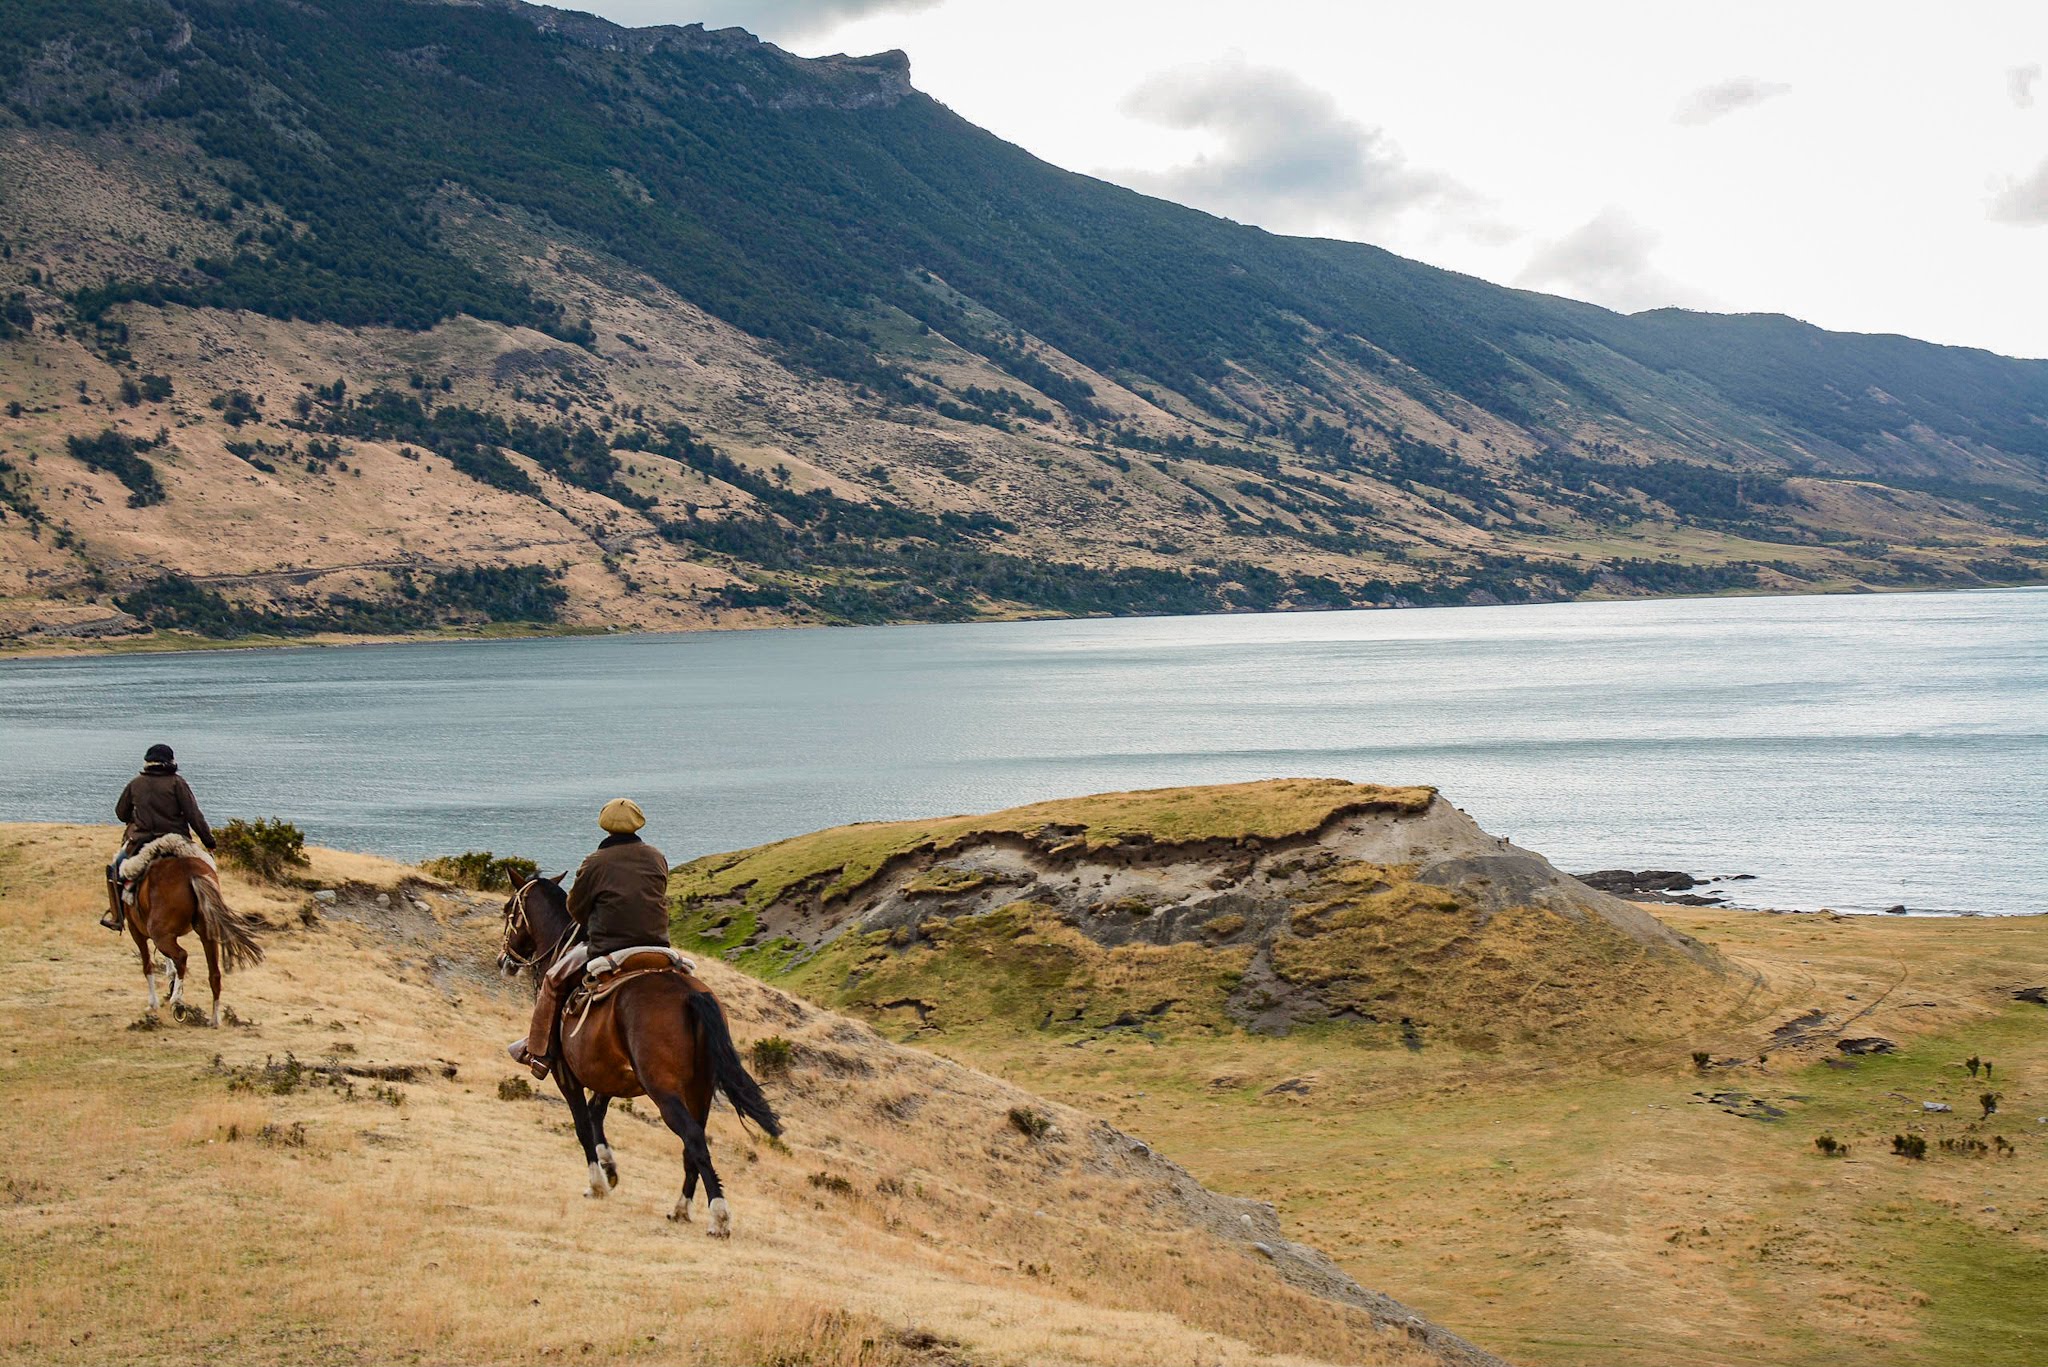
(1852, 752)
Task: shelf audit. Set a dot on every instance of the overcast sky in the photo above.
(1864, 165)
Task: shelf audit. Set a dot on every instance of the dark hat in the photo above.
(158, 754)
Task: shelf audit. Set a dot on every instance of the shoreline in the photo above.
(174, 643)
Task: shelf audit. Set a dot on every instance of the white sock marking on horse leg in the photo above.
(177, 987)
(598, 1188)
(216, 1013)
(682, 1210)
(721, 1219)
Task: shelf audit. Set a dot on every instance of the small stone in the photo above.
(1936, 1106)
(325, 895)
(1140, 1148)
(1897, 909)
(383, 899)
(421, 907)
(1266, 1249)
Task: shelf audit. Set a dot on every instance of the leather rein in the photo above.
(516, 919)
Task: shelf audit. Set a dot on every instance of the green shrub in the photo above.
(772, 1056)
(832, 1182)
(1032, 1124)
(1909, 1145)
(482, 870)
(265, 847)
(514, 1089)
(1831, 1147)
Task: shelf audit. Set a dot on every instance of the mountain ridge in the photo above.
(753, 337)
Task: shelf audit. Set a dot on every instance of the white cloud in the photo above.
(2020, 82)
(1286, 156)
(1607, 260)
(1722, 98)
(2025, 201)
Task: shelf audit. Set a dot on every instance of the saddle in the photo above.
(163, 847)
(607, 973)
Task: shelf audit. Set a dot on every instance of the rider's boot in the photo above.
(113, 919)
(517, 1049)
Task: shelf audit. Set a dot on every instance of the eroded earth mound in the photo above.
(1266, 906)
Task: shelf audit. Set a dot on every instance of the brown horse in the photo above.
(179, 893)
(663, 1036)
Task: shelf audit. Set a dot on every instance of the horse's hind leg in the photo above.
(599, 1104)
(682, 1210)
(586, 1132)
(696, 1161)
(212, 973)
(174, 955)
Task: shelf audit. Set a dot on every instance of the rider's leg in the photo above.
(112, 920)
(533, 1051)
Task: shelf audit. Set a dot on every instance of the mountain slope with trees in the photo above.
(702, 331)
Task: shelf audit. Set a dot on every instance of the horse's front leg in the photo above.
(599, 1105)
(586, 1131)
(148, 961)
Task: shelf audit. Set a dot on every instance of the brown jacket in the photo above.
(159, 802)
(621, 895)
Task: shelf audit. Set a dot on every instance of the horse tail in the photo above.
(226, 927)
(731, 1076)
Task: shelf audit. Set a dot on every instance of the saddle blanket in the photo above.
(163, 847)
(619, 958)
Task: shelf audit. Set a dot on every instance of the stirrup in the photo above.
(538, 1066)
(107, 920)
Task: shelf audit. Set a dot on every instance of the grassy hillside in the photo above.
(692, 331)
(1598, 1146)
(175, 1193)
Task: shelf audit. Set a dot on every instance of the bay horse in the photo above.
(179, 893)
(664, 1036)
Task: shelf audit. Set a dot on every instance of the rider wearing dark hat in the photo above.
(156, 802)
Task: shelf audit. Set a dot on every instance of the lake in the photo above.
(1849, 751)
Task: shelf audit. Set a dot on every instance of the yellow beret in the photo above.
(622, 816)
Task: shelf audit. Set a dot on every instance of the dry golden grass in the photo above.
(1375, 941)
(154, 1213)
(1584, 1201)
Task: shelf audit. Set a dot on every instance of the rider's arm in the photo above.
(582, 895)
(194, 818)
(124, 806)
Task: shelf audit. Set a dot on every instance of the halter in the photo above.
(517, 919)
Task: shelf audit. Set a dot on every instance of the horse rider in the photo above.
(620, 898)
(156, 802)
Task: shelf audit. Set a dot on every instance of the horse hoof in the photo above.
(680, 1215)
(611, 1174)
(721, 1220)
(598, 1189)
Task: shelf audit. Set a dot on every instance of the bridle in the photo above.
(516, 919)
